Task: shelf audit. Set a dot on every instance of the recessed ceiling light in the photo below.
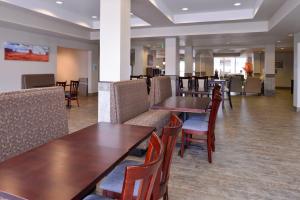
(278, 41)
(237, 4)
(291, 35)
(94, 17)
(228, 43)
(59, 2)
(184, 9)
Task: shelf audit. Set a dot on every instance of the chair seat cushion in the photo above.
(113, 182)
(199, 117)
(95, 197)
(152, 118)
(195, 125)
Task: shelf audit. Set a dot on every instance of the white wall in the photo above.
(72, 64)
(11, 71)
(284, 75)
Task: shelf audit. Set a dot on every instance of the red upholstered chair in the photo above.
(111, 185)
(139, 180)
(169, 138)
(192, 127)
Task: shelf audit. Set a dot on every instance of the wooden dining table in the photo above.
(185, 104)
(71, 166)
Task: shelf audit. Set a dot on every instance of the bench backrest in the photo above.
(161, 89)
(128, 100)
(30, 118)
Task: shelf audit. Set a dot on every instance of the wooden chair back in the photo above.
(145, 173)
(216, 91)
(185, 82)
(62, 84)
(74, 85)
(169, 138)
(213, 114)
(198, 80)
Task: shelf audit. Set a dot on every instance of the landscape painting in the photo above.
(23, 52)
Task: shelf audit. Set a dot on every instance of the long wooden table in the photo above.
(70, 167)
(184, 104)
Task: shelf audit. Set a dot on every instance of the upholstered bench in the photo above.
(130, 105)
(30, 118)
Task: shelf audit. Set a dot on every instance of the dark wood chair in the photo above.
(193, 127)
(73, 93)
(62, 84)
(228, 91)
(185, 83)
(169, 138)
(139, 180)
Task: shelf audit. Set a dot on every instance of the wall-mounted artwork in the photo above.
(23, 52)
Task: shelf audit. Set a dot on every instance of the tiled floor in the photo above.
(257, 152)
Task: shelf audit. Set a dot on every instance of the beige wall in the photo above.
(72, 64)
(11, 71)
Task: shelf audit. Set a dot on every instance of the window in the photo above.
(229, 65)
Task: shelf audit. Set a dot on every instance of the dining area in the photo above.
(70, 166)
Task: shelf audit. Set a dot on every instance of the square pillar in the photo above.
(172, 61)
(269, 82)
(296, 98)
(189, 60)
(114, 50)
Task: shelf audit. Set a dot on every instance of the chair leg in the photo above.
(229, 97)
(166, 195)
(182, 144)
(209, 150)
(77, 102)
(213, 144)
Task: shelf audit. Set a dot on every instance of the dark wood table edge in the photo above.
(91, 187)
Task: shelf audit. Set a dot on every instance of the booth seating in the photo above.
(161, 89)
(130, 105)
(37, 80)
(30, 118)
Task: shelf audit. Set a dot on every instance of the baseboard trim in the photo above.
(93, 94)
(296, 109)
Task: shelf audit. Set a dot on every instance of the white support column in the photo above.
(297, 72)
(114, 50)
(188, 57)
(172, 56)
(172, 60)
(198, 63)
(140, 64)
(269, 82)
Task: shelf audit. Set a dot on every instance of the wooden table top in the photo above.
(70, 167)
(184, 104)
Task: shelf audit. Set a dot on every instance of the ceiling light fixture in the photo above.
(59, 2)
(94, 17)
(278, 41)
(184, 9)
(237, 4)
(282, 48)
(291, 35)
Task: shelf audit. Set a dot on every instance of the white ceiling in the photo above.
(206, 5)
(84, 8)
(207, 22)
